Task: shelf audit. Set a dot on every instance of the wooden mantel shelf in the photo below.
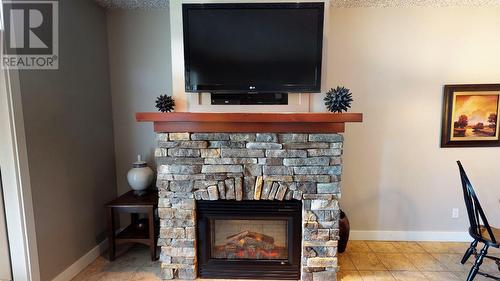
(249, 122)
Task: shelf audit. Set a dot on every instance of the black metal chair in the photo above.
(479, 229)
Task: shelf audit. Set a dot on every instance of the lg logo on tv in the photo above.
(31, 35)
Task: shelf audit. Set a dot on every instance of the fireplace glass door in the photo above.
(249, 239)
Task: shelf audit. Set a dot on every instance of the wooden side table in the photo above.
(144, 231)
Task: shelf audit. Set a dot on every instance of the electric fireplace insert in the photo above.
(249, 239)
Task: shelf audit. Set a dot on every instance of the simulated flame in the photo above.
(250, 245)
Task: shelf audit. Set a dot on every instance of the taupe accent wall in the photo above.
(69, 135)
(139, 59)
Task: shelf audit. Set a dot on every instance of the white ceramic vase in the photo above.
(140, 176)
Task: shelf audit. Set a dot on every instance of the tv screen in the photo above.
(253, 47)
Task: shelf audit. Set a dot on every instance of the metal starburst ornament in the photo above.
(165, 103)
(338, 99)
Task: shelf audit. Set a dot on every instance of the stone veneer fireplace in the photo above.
(207, 172)
(231, 187)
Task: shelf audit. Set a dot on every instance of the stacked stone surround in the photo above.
(249, 166)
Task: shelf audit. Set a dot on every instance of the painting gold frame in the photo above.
(470, 116)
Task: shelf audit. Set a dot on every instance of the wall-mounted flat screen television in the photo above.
(253, 47)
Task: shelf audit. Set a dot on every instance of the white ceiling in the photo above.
(414, 3)
(133, 4)
(160, 4)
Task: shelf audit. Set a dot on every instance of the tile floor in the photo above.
(402, 261)
(362, 261)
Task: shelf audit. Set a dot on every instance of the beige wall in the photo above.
(396, 62)
(69, 136)
(5, 272)
(139, 60)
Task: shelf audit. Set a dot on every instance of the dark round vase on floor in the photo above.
(344, 230)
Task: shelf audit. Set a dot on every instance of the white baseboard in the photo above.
(442, 236)
(82, 262)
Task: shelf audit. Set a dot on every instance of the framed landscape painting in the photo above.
(470, 115)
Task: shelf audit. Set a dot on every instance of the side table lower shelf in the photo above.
(133, 234)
